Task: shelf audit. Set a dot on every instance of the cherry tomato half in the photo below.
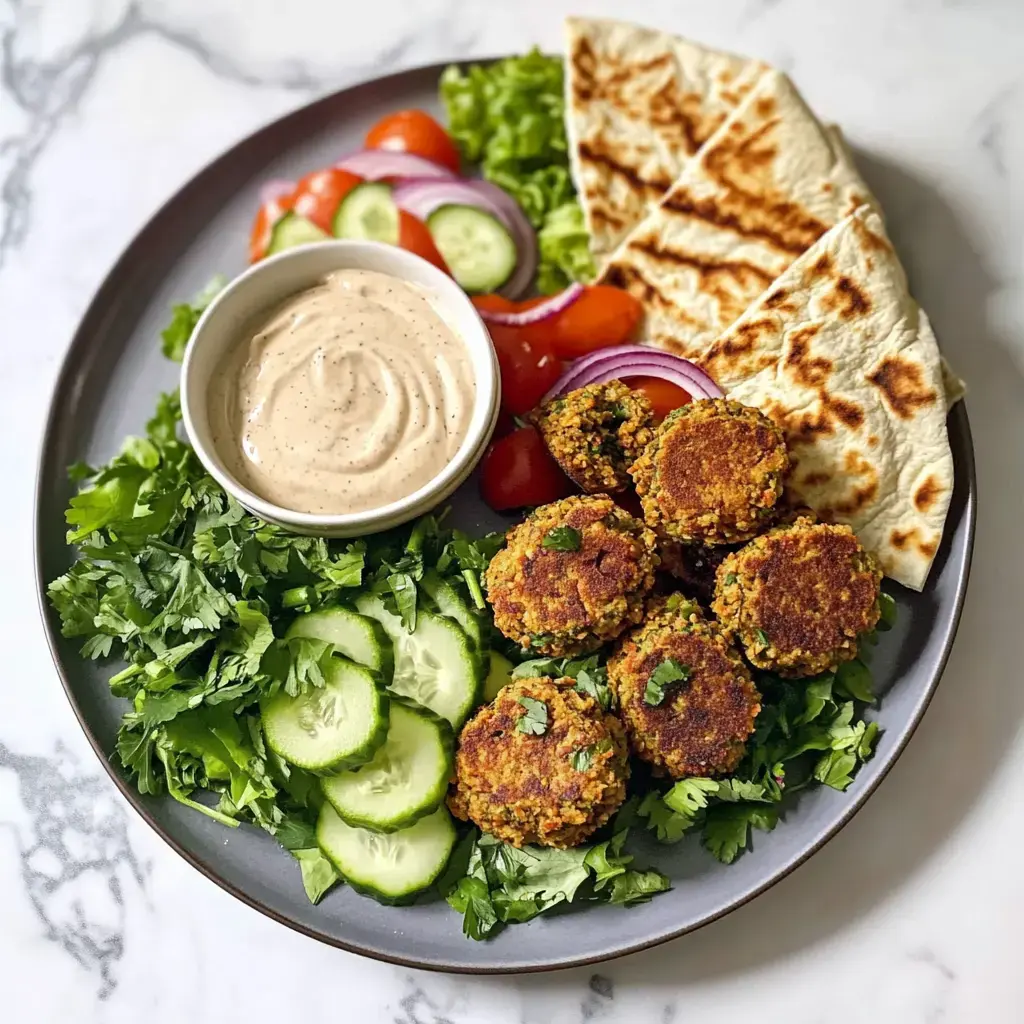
(528, 369)
(414, 236)
(600, 317)
(414, 131)
(318, 195)
(663, 395)
(518, 470)
(263, 226)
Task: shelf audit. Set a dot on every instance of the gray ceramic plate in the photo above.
(107, 389)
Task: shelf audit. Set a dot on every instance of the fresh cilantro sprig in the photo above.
(668, 672)
(807, 731)
(492, 883)
(590, 674)
(535, 721)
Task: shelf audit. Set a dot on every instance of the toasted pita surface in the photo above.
(842, 358)
(639, 104)
(766, 186)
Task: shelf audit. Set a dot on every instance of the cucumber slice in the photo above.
(477, 247)
(368, 211)
(436, 665)
(498, 676)
(356, 636)
(391, 868)
(292, 230)
(338, 725)
(406, 779)
(451, 603)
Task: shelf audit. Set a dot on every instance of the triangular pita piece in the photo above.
(843, 359)
(765, 187)
(639, 104)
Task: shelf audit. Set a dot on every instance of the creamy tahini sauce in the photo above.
(351, 395)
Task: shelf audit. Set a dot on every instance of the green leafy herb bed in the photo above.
(194, 595)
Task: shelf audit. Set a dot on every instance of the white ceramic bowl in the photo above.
(269, 283)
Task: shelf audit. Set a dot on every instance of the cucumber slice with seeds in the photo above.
(292, 230)
(338, 725)
(394, 867)
(477, 247)
(407, 778)
(436, 666)
(368, 211)
(451, 603)
(355, 636)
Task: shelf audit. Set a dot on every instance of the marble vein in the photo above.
(75, 859)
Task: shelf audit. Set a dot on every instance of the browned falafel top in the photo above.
(713, 472)
(572, 574)
(809, 587)
(701, 722)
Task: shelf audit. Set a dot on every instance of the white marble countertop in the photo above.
(910, 915)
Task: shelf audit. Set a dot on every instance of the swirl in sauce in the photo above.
(351, 395)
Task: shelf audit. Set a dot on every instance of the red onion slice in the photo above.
(276, 188)
(533, 315)
(620, 361)
(374, 164)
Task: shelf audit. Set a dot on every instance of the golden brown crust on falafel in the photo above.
(595, 433)
(713, 473)
(524, 788)
(702, 725)
(799, 597)
(568, 602)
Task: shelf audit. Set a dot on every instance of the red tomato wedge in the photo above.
(414, 236)
(318, 195)
(414, 131)
(663, 395)
(518, 471)
(263, 226)
(600, 317)
(529, 367)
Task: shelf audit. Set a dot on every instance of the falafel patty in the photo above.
(713, 473)
(596, 433)
(693, 566)
(573, 575)
(799, 597)
(699, 723)
(554, 788)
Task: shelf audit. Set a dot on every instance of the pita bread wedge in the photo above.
(639, 104)
(766, 186)
(841, 357)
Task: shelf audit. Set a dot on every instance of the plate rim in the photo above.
(64, 382)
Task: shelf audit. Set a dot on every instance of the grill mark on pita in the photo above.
(902, 386)
(754, 209)
(847, 300)
(927, 494)
(639, 287)
(793, 237)
(811, 371)
(736, 269)
(590, 151)
(725, 359)
(815, 479)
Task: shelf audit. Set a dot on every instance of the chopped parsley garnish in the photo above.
(562, 538)
(535, 721)
(668, 672)
(730, 579)
(583, 757)
(762, 637)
